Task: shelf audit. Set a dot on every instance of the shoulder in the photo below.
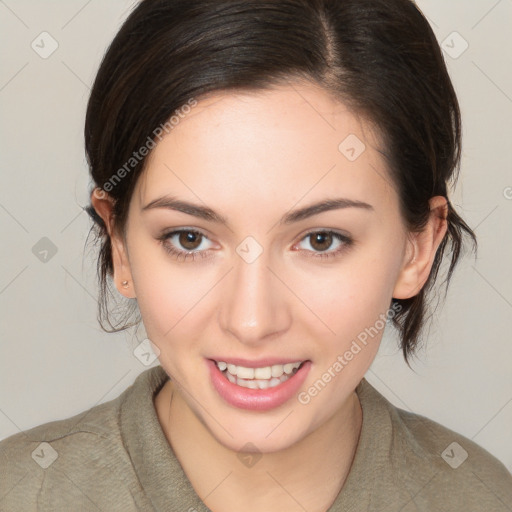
(446, 470)
(75, 457)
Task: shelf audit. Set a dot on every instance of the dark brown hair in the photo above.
(379, 57)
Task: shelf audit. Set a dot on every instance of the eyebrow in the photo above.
(203, 212)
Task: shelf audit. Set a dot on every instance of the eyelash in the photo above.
(170, 249)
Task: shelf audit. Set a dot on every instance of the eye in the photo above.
(189, 239)
(189, 243)
(322, 241)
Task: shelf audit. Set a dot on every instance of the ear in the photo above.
(421, 250)
(103, 204)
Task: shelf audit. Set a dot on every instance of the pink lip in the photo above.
(256, 399)
(258, 363)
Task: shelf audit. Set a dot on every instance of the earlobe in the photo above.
(421, 251)
(103, 204)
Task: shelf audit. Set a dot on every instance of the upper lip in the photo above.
(258, 363)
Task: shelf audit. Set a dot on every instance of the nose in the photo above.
(254, 303)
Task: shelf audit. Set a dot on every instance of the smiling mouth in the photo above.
(258, 378)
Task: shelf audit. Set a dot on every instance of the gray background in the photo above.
(54, 359)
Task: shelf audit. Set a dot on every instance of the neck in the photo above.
(307, 475)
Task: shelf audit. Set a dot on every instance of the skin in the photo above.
(252, 157)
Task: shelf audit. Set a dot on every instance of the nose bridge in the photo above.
(253, 306)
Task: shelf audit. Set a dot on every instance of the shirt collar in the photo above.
(159, 471)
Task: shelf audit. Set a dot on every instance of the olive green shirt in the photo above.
(115, 457)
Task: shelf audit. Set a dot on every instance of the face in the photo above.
(252, 281)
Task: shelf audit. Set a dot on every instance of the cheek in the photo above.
(349, 297)
(168, 295)
(170, 305)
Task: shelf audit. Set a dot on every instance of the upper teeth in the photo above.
(265, 372)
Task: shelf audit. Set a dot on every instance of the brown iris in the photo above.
(324, 241)
(190, 240)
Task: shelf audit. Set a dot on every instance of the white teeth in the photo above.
(277, 370)
(258, 378)
(245, 373)
(274, 381)
(288, 368)
(263, 384)
(266, 372)
(263, 373)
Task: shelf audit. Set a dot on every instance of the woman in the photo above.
(271, 188)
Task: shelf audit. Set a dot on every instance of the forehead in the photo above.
(285, 144)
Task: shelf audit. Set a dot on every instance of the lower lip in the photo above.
(257, 399)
